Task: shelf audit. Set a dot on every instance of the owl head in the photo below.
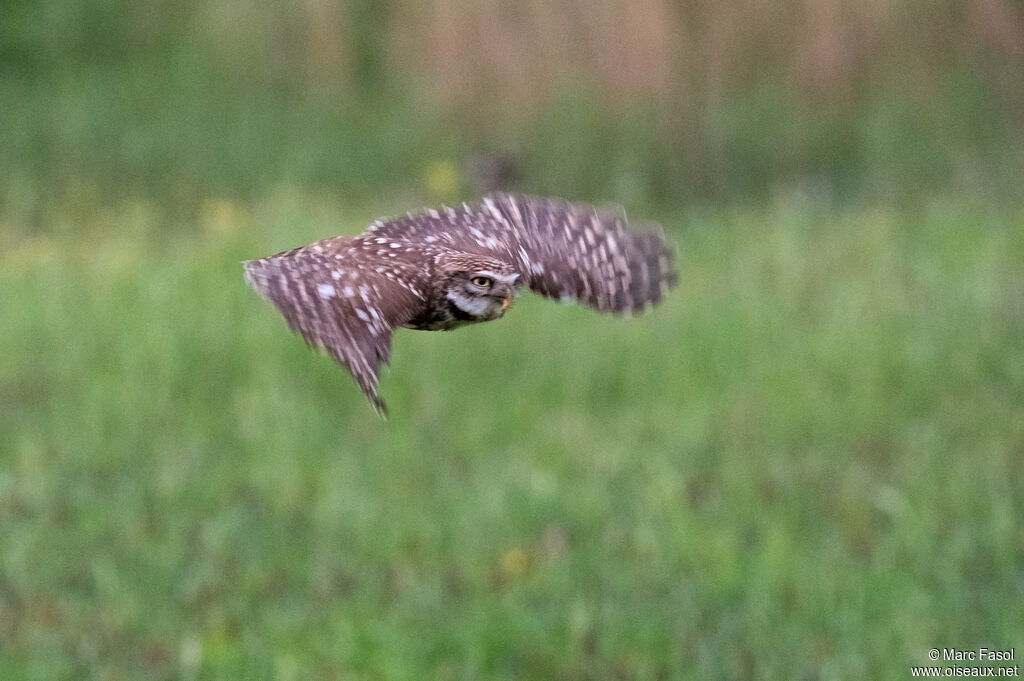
(478, 288)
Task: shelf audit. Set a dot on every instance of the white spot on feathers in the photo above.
(325, 291)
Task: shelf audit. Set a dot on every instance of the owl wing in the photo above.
(344, 298)
(566, 251)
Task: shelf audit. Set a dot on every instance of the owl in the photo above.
(442, 268)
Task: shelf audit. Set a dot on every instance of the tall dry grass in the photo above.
(636, 99)
(671, 52)
(723, 97)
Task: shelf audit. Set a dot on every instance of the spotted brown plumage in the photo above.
(441, 268)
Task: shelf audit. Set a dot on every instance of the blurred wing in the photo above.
(563, 250)
(340, 301)
(575, 251)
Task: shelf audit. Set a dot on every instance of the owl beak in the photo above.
(504, 306)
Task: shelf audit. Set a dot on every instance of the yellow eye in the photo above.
(482, 282)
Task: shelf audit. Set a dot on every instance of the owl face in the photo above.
(480, 289)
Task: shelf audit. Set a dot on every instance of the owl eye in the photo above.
(482, 282)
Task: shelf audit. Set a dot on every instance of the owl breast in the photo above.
(449, 314)
(436, 320)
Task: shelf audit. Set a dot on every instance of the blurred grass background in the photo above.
(805, 464)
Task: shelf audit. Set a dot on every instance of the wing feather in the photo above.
(567, 251)
(338, 297)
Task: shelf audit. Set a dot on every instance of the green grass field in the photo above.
(805, 465)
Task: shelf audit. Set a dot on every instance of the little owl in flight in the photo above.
(439, 269)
